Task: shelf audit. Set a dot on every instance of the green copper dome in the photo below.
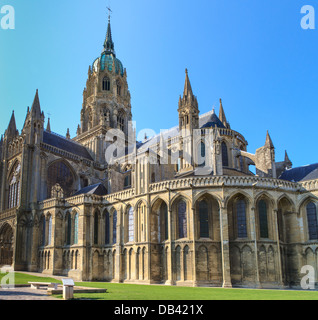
(106, 63)
(108, 56)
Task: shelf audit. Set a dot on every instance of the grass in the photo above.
(128, 292)
(20, 278)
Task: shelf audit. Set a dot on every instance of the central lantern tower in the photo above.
(106, 101)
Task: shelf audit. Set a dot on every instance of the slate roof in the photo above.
(213, 121)
(304, 173)
(70, 146)
(96, 189)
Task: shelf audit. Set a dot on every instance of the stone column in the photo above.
(279, 259)
(225, 248)
(170, 276)
(118, 277)
(254, 238)
(194, 268)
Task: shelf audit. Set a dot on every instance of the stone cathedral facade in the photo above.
(64, 210)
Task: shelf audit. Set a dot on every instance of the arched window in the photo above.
(14, 187)
(225, 157)
(263, 222)
(241, 219)
(182, 219)
(43, 232)
(68, 229)
(115, 227)
(312, 221)
(96, 218)
(204, 219)
(121, 121)
(201, 154)
(49, 236)
(131, 225)
(140, 227)
(127, 181)
(76, 229)
(164, 233)
(60, 173)
(106, 84)
(107, 226)
(118, 88)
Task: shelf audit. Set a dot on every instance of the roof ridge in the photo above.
(60, 136)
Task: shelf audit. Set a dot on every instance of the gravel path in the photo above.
(25, 293)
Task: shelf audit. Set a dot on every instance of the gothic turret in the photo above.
(188, 108)
(12, 131)
(222, 116)
(106, 100)
(265, 159)
(34, 122)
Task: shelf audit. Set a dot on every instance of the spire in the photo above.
(36, 108)
(48, 127)
(109, 46)
(68, 136)
(269, 142)
(187, 86)
(12, 128)
(222, 116)
(287, 160)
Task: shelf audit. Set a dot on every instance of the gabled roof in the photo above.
(96, 189)
(70, 146)
(304, 173)
(213, 121)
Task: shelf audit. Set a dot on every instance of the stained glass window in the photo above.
(68, 229)
(201, 154)
(204, 219)
(225, 158)
(164, 221)
(241, 219)
(49, 239)
(60, 173)
(43, 231)
(312, 221)
(14, 187)
(131, 225)
(182, 217)
(76, 229)
(107, 238)
(96, 228)
(263, 223)
(115, 227)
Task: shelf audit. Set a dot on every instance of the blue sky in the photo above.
(252, 54)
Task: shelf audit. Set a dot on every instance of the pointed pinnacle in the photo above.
(36, 108)
(269, 142)
(222, 116)
(187, 86)
(48, 128)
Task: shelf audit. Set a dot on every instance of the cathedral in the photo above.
(188, 207)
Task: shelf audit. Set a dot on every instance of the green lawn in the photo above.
(20, 278)
(154, 292)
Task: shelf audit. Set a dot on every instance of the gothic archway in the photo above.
(6, 245)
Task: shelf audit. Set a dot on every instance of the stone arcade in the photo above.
(65, 211)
